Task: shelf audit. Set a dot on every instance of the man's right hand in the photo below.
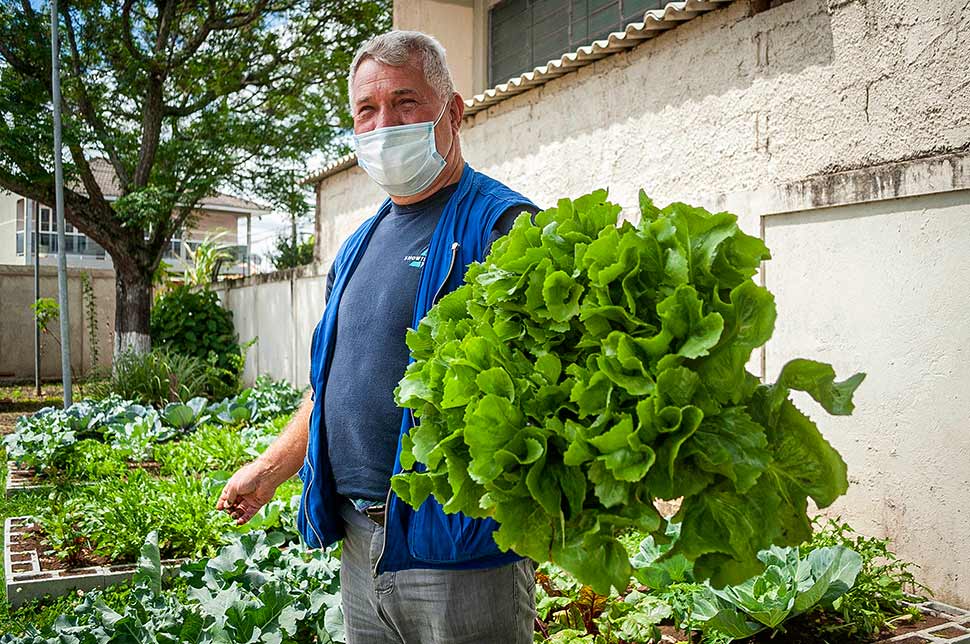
(249, 489)
(253, 485)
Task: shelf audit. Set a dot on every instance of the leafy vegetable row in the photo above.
(46, 441)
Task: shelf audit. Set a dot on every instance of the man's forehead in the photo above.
(372, 76)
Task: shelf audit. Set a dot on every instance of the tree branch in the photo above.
(90, 114)
(128, 39)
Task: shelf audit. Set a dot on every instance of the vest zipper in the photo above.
(387, 501)
(451, 267)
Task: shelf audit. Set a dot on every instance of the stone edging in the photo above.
(25, 580)
(956, 630)
(21, 480)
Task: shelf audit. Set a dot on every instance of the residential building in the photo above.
(837, 130)
(220, 216)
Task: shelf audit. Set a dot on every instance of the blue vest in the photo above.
(426, 537)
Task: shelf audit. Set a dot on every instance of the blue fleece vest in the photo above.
(426, 537)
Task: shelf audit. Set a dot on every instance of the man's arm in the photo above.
(254, 484)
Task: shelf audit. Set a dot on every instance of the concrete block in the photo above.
(26, 580)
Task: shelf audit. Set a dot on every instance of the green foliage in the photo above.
(586, 369)
(290, 254)
(113, 517)
(882, 588)
(194, 323)
(90, 316)
(46, 310)
(251, 591)
(92, 459)
(234, 97)
(157, 377)
(209, 448)
(205, 261)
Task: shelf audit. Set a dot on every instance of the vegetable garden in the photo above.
(587, 388)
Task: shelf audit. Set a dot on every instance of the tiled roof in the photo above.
(107, 179)
(655, 21)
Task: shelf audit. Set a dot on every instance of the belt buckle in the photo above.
(376, 514)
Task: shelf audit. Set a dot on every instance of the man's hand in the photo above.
(253, 485)
(247, 491)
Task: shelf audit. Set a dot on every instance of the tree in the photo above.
(182, 98)
(288, 254)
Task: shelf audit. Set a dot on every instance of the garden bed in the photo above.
(26, 479)
(944, 623)
(31, 572)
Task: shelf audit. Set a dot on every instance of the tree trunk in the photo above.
(133, 305)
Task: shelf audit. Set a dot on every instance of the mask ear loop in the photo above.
(443, 110)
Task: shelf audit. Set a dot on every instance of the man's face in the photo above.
(385, 96)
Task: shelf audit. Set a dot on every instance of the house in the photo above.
(838, 131)
(217, 215)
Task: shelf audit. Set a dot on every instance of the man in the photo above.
(407, 577)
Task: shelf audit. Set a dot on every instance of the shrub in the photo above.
(157, 377)
(194, 323)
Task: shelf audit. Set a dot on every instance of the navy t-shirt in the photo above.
(370, 354)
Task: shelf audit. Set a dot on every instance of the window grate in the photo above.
(525, 34)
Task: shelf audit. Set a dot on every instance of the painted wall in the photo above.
(451, 22)
(871, 287)
(8, 228)
(17, 321)
(279, 310)
(822, 124)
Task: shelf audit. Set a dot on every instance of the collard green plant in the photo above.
(274, 398)
(45, 441)
(587, 369)
(884, 589)
(790, 586)
(252, 591)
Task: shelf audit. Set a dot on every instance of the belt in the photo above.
(375, 513)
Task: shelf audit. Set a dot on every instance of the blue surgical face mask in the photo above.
(403, 159)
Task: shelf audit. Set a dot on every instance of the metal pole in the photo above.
(35, 246)
(59, 198)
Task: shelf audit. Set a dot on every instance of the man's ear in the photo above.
(456, 111)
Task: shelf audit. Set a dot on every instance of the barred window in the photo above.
(525, 34)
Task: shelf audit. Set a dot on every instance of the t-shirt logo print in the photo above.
(417, 261)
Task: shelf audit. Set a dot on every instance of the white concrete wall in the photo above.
(760, 113)
(875, 287)
(280, 310)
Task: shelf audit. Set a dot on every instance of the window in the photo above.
(525, 34)
(20, 226)
(75, 242)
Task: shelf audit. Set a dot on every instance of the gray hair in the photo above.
(397, 49)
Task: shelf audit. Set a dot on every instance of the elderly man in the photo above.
(414, 577)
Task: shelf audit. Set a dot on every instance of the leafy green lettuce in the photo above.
(587, 369)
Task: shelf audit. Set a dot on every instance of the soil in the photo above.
(35, 539)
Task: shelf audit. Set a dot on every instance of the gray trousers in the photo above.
(423, 606)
